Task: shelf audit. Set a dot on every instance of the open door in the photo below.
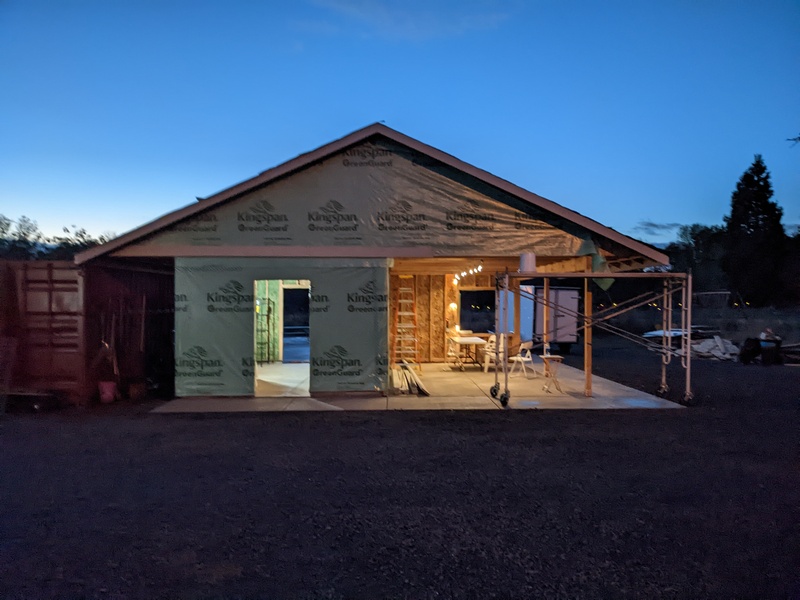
(282, 338)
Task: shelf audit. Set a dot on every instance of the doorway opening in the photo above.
(282, 337)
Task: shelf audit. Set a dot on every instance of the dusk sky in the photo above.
(641, 115)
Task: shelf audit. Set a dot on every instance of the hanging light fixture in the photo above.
(470, 271)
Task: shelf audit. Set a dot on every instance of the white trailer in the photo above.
(563, 309)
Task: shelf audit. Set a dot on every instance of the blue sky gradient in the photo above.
(641, 115)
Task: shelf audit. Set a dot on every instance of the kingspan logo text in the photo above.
(319, 303)
(336, 363)
(315, 217)
(262, 213)
(469, 220)
(367, 152)
(262, 219)
(331, 212)
(468, 217)
(331, 217)
(400, 217)
(367, 157)
(230, 298)
(195, 362)
(367, 299)
(231, 293)
(392, 217)
(199, 223)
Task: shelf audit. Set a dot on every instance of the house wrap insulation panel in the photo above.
(380, 194)
(214, 323)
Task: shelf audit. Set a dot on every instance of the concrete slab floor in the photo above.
(282, 380)
(450, 389)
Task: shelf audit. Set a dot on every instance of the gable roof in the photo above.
(362, 135)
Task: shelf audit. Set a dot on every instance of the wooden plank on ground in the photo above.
(414, 379)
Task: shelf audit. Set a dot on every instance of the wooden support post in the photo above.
(688, 396)
(517, 305)
(546, 323)
(546, 312)
(587, 338)
(666, 327)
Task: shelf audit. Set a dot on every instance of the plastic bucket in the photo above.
(108, 391)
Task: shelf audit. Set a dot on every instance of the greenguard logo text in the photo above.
(381, 364)
(181, 303)
(367, 156)
(331, 217)
(198, 223)
(261, 216)
(400, 217)
(248, 366)
(230, 298)
(469, 219)
(195, 362)
(366, 299)
(335, 363)
(319, 303)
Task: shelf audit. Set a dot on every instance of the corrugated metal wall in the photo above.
(43, 309)
(61, 315)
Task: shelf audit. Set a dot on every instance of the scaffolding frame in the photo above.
(672, 285)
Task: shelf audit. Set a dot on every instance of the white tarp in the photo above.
(214, 323)
(381, 194)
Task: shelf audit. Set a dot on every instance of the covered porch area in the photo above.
(450, 389)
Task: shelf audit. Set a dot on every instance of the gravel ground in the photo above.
(113, 502)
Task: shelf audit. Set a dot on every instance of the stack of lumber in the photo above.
(403, 380)
(715, 348)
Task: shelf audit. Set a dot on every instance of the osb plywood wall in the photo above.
(429, 299)
(433, 295)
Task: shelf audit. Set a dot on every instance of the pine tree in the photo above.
(755, 240)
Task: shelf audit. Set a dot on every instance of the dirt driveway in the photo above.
(702, 503)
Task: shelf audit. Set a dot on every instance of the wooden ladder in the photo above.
(406, 343)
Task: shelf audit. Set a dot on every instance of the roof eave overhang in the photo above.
(649, 255)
